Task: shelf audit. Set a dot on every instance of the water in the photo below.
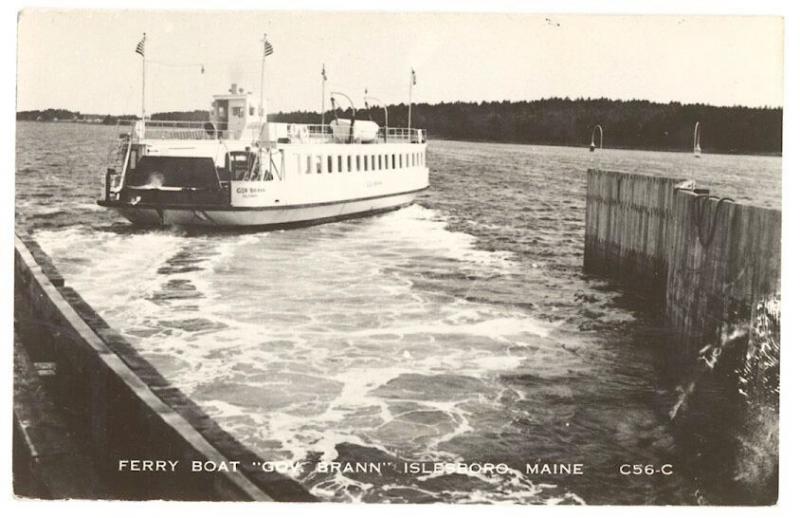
(459, 329)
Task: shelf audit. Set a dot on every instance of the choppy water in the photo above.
(457, 329)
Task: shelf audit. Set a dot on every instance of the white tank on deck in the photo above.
(363, 131)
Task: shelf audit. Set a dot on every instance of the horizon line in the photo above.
(565, 98)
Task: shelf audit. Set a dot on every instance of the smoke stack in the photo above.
(233, 88)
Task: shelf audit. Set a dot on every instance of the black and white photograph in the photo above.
(395, 256)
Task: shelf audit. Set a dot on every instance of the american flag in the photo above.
(324, 75)
(140, 46)
(413, 77)
(267, 47)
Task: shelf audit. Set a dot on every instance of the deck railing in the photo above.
(287, 133)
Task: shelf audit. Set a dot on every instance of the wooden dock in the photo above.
(117, 403)
(708, 261)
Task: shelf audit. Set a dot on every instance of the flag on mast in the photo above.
(267, 47)
(413, 77)
(140, 46)
(324, 75)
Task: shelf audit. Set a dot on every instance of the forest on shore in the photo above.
(634, 124)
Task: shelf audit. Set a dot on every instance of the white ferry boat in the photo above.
(235, 170)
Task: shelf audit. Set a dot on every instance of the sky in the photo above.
(85, 60)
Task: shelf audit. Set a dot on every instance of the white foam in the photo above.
(331, 304)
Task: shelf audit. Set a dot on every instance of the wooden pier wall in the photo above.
(724, 258)
(627, 229)
(118, 404)
(708, 261)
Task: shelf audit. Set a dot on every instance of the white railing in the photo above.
(318, 133)
(185, 130)
(288, 133)
(412, 135)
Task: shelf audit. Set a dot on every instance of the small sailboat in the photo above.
(697, 149)
(595, 130)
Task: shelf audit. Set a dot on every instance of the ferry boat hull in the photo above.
(260, 217)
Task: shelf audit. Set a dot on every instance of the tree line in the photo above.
(635, 124)
(569, 122)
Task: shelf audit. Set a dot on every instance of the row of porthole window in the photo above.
(347, 163)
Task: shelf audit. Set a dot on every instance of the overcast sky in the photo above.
(85, 60)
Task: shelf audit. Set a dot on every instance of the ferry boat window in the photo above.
(240, 164)
(319, 164)
(330, 164)
(358, 162)
(373, 162)
(237, 111)
(394, 161)
(366, 163)
(339, 165)
(349, 163)
(252, 110)
(308, 164)
(380, 161)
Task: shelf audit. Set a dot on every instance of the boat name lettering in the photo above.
(250, 190)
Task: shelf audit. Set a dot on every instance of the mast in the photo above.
(322, 105)
(141, 51)
(412, 81)
(262, 115)
(696, 145)
(385, 114)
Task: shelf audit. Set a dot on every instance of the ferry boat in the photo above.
(235, 170)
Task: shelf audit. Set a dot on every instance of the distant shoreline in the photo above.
(712, 151)
(560, 121)
(516, 143)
